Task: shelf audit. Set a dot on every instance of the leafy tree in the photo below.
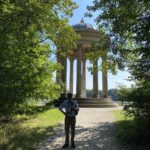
(26, 30)
(138, 107)
(89, 93)
(101, 49)
(127, 23)
(123, 93)
(113, 93)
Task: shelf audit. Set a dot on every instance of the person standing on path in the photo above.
(70, 109)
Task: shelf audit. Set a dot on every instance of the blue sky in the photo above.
(113, 80)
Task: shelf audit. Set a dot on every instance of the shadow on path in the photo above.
(99, 137)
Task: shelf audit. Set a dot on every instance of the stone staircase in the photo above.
(96, 103)
(92, 102)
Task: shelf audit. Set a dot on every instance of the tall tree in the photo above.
(26, 30)
(127, 23)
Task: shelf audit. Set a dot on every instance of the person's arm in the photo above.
(62, 111)
(61, 108)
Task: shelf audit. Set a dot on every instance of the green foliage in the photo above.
(99, 49)
(27, 131)
(136, 131)
(138, 98)
(63, 39)
(123, 92)
(27, 29)
(127, 23)
(102, 49)
(140, 103)
(113, 93)
(89, 93)
(131, 132)
(126, 128)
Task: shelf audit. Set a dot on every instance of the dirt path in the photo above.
(94, 131)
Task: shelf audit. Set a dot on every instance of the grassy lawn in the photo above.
(124, 125)
(27, 130)
(128, 132)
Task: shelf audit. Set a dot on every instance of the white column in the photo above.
(84, 79)
(104, 76)
(95, 82)
(71, 75)
(79, 72)
(58, 72)
(105, 85)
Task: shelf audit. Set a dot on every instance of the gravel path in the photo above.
(94, 131)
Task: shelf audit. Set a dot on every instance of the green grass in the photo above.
(129, 132)
(27, 130)
(124, 126)
(120, 115)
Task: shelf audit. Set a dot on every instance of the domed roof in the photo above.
(83, 26)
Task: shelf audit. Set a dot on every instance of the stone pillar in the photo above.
(64, 75)
(105, 85)
(79, 72)
(104, 76)
(83, 95)
(71, 75)
(95, 82)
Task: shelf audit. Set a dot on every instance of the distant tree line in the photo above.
(111, 92)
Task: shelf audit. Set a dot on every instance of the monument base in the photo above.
(96, 102)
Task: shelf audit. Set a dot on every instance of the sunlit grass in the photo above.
(45, 119)
(120, 115)
(27, 131)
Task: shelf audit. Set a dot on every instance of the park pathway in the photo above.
(95, 130)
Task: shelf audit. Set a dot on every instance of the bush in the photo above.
(136, 131)
(131, 132)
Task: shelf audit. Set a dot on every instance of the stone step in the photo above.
(93, 99)
(96, 102)
(98, 105)
(92, 102)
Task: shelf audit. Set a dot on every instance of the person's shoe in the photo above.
(65, 145)
(73, 145)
